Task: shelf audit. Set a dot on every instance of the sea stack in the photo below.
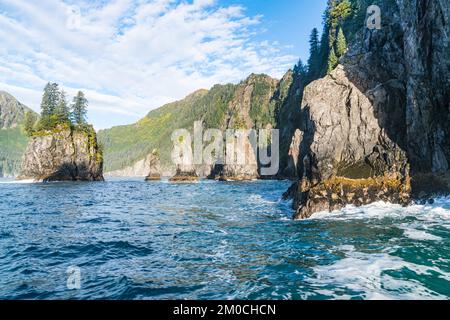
(63, 154)
(242, 163)
(183, 158)
(376, 125)
(155, 167)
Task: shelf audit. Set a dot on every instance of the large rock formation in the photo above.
(241, 161)
(182, 156)
(142, 168)
(257, 102)
(380, 116)
(154, 172)
(253, 106)
(63, 154)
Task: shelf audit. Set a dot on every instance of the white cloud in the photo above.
(129, 56)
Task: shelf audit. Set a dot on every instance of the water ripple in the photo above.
(137, 240)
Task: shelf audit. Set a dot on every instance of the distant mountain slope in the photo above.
(12, 112)
(13, 140)
(253, 103)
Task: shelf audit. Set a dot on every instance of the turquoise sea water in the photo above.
(210, 240)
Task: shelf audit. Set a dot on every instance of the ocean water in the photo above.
(135, 240)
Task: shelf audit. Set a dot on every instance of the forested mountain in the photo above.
(13, 139)
(253, 103)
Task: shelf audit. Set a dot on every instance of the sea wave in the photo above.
(439, 210)
(7, 181)
(374, 277)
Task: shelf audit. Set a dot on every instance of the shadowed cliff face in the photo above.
(65, 155)
(383, 111)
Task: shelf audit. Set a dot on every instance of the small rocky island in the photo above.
(154, 163)
(62, 146)
(65, 154)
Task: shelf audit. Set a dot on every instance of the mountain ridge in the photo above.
(252, 103)
(13, 140)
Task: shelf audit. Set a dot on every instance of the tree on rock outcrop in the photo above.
(62, 111)
(314, 55)
(55, 110)
(29, 122)
(339, 11)
(341, 43)
(332, 61)
(300, 69)
(49, 104)
(79, 109)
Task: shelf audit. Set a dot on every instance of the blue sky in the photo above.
(131, 56)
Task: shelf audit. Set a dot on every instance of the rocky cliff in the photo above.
(254, 103)
(63, 154)
(139, 169)
(382, 116)
(154, 172)
(252, 106)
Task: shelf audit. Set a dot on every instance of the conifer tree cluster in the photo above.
(56, 111)
(332, 45)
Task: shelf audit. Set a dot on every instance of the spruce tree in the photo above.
(332, 61)
(324, 50)
(339, 11)
(49, 105)
(314, 55)
(341, 43)
(301, 70)
(29, 122)
(45, 103)
(62, 111)
(79, 109)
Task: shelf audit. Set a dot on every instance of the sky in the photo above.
(132, 56)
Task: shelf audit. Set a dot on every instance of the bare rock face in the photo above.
(293, 155)
(250, 107)
(241, 163)
(142, 168)
(380, 116)
(186, 171)
(154, 173)
(63, 155)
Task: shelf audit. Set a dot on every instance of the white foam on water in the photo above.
(420, 235)
(17, 181)
(260, 200)
(365, 274)
(439, 211)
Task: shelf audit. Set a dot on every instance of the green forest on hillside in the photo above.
(13, 143)
(125, 145)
